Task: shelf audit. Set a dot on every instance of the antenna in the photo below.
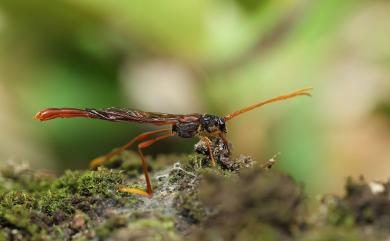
(301, 92)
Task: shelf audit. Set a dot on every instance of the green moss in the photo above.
(34, 210)
(112, 224)
(156, 227)
(192, 201)
(20, 177)
(190, 207)
(3, 235)
(361, 205)
(338, 212)
(75, 188)
(17, 217)
(333, 234)
(251, 199)
(15, 211)
(89, 183)
(130, 163)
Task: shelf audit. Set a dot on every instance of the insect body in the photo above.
(203, 126)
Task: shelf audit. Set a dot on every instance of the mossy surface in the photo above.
(238, 200)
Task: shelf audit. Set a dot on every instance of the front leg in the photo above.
(208, 143)
(220, 150)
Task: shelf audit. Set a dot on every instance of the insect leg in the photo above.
(101, 160)
(141, 146)
(208, 144)
(225, 141)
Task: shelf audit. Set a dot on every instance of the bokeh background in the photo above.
(210, 56)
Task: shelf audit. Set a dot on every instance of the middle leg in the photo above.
(101, 160)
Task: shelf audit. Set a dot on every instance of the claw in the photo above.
(95, 163)
(137, 191)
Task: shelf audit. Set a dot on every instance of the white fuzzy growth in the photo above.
(376, 187)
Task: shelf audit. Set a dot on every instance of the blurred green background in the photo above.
(211, 56)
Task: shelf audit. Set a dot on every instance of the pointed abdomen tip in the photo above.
(52, 113)
(46, 114)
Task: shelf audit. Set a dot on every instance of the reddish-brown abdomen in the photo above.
(53, 113)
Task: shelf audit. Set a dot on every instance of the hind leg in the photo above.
(141, 146)
(101, 160)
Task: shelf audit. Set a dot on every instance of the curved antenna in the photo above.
(302, 92)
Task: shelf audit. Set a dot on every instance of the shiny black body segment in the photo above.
(212, 123)
(186, 130)
(205, 124)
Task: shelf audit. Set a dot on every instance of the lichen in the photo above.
(365, 204)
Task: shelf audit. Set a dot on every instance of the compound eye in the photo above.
(206, 121)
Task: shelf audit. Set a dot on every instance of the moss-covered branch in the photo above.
(192, 201)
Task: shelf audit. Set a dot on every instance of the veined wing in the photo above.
(157, 118)
(117, 114)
